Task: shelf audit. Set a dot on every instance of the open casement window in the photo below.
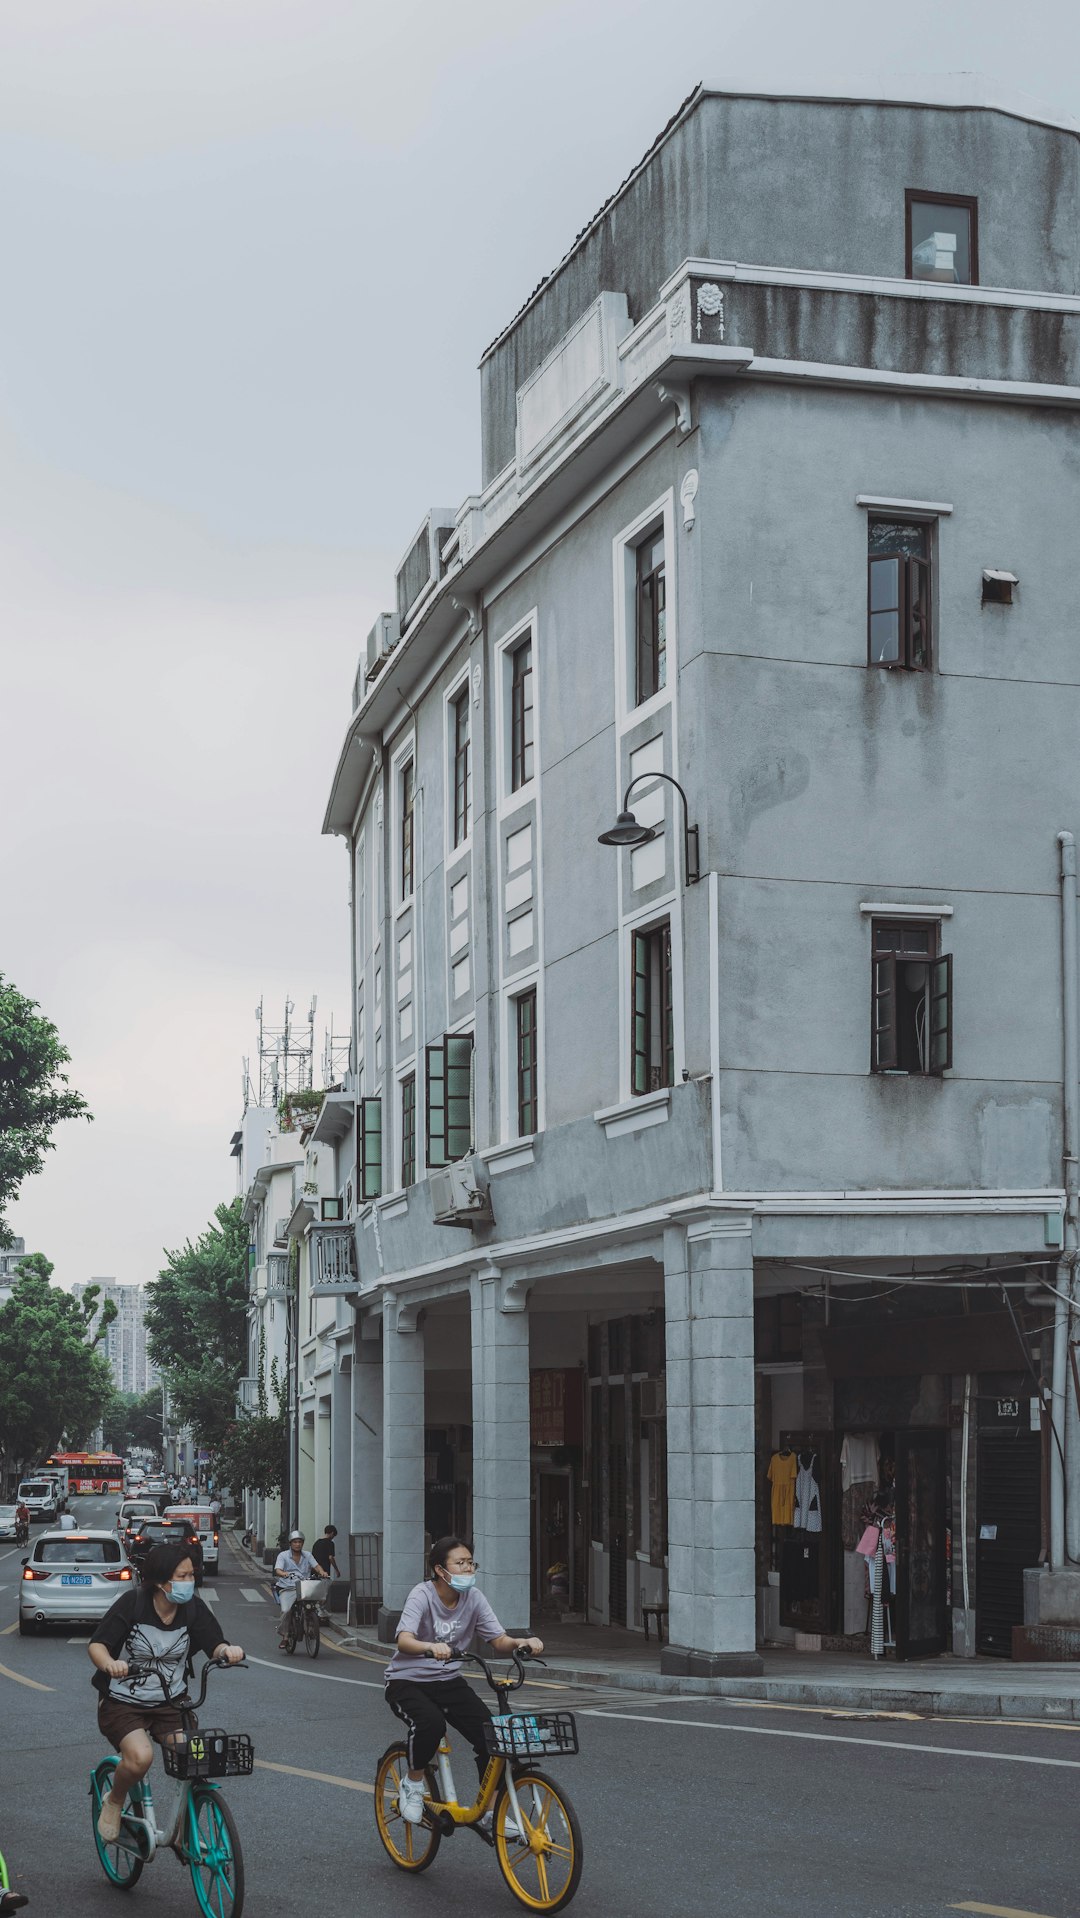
(369, 1134)
(450, 1099)
(911, 1001)
(651, 618)
(652, 1020)
(898, 595)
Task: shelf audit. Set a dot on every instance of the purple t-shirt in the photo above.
(425, 1614)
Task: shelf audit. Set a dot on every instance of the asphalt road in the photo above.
(694, 1808)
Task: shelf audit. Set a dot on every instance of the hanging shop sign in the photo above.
(555, 1408)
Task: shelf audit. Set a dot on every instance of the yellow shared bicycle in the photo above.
(533, 1827)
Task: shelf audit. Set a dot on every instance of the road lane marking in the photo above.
(320, 1777)
(9, 1628)
(253, 1597)
(33, 1683)
(840, 1738)
(304, 1671)
(210, 1594)
(1000, 1911)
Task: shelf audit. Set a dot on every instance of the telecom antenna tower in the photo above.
(286, 1057)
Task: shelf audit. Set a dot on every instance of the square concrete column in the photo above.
(502, 1510)
(709, 1311)
(403, 1459)
(337, 1510)
(365, 1507)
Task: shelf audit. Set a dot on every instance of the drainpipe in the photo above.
(1067, 1263)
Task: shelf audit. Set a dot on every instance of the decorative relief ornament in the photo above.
(465, 538)
(676, 316)
(688, 494)
(710, 301)
(378, 808)
(477, 682)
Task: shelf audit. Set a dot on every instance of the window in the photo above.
(462, 770)
(408, 1130)
(911, 999)
(650, 618)
(653, 1026)
(407, 797)
(521, 716)
(525, 1024)
(942, 240)
(898, 594)
(450, 1099)
(369, 1133)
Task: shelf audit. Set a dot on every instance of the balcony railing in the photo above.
(277, 1275)
(247, 1392)
(334, 1263)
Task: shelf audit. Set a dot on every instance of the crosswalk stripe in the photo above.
(209, 1592)
(253, 1597)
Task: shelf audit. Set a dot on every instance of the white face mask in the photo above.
(181, 1590)
(461, 1581)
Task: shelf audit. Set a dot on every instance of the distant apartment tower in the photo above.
(10, 1259)
(125, 1341)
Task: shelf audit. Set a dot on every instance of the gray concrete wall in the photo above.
(740, 179)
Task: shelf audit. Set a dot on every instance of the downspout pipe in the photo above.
(1070, 1003)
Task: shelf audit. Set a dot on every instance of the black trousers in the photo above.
(426, 1708)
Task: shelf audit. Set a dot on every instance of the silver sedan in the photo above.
(71, 1578)
(8, 1528)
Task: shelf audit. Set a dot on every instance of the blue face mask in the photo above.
(181, 1590)
(461, 1581)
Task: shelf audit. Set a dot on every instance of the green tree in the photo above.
(254, 1453)
(34, 1093)
(196, 1320)
(134, 1418)
(55, 1384)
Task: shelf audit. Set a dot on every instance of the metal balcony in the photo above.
(277, 1275)
(333, 1266)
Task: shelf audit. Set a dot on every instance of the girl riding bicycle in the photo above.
(161, 1620)
(439, 1620)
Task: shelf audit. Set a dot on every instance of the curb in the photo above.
(831, 1694)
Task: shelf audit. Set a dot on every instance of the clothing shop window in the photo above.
(942, 238)
(449, 1103)
(408, 1129)
(652, 1017)
(911, 1000)
(408, 796)
(521, 716)
(898, 594)
(650, 617)
(369, 1133)
(462, 748)
(525, 1034)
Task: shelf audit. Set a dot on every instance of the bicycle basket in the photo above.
(209, 1754)
(532, 1735)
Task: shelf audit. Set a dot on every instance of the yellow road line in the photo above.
(320, 1777)
(1000, 1911)
(35, 1686)
(8, 1629)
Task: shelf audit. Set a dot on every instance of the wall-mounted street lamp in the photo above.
(628, 831)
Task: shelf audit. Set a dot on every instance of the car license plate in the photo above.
(75, 1578)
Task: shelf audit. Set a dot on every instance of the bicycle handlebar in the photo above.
(520, 1657)
(153, 1668)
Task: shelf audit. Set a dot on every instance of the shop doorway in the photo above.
(1007, 1528)
(921, 1554)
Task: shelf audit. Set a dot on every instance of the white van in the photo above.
(205, 1523)
(40, 1496)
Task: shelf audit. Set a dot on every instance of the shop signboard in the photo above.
(555, 1415)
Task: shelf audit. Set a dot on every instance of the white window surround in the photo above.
(635, 1115)
(509, 799)
(917, 508)
(529, 980)
(660, 512)
(402, 757)
(508, 804)
(646, 919)
(457, 686)
(886, 909)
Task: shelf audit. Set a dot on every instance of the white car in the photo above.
(205, 1523)
(7, 1521)
(71, 1578)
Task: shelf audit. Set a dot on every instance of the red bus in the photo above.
(100, 1472)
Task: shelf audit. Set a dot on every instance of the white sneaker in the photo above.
(108, 1823)
(411, 1799)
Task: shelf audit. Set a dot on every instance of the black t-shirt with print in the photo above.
(132, 1630)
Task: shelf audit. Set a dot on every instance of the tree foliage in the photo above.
(55, 1384)
(34, 1092)
(196, 1322)
(134, 1419)
(254, 1453)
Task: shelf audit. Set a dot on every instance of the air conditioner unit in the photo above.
(379, 644)
(456, 1198)
(424, 562)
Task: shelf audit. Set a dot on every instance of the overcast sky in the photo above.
(252, 251)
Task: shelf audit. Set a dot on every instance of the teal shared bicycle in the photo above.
(202, 1832)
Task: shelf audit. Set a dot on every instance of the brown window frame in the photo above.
(408, 1129)
(969, 201)
(915, 600)
(528, 1087)
(522, 723)
(652, 1010)
(459, 707)
(885, 1049)
(650, 620)
(408, 800)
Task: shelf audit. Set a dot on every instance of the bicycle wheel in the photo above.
(119, 1861)
(213, 1854)
(412, 1847)
(289, 1643)
(542, 1864)
(312, 1634)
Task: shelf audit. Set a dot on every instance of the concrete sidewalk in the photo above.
(933, 1687)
